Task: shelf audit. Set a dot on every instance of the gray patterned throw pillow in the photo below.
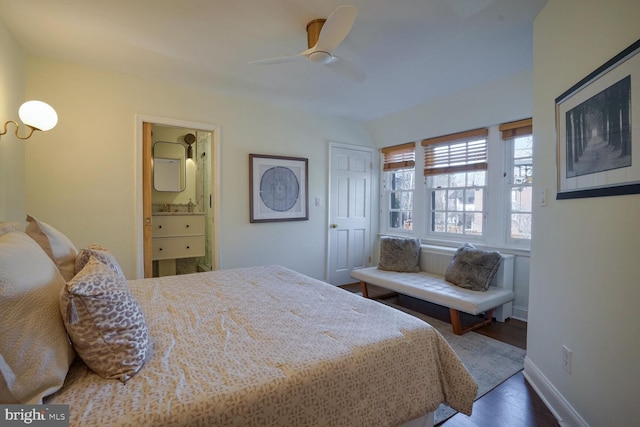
(472, 268)
(399, 254)
(104, 321)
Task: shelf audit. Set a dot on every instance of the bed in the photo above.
(268, 346)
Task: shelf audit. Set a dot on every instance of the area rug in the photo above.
(489, 361)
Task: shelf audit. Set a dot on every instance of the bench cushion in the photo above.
(433, 288)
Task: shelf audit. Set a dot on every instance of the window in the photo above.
(457, 201)
(519, 146)
(477, 187)
(455, 168)
(399, 185)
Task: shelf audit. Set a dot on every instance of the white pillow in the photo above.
(58, 246)
(35, 353)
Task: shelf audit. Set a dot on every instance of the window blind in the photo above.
(458, 152)
(517, 128)
(399, 156)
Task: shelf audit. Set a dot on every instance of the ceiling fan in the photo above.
(323, 36)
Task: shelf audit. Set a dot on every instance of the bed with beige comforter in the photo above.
(267, 346)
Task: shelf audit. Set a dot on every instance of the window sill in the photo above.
(505, 248)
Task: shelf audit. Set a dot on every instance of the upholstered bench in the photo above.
(429, 284)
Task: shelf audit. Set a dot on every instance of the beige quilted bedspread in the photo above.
(267, 346)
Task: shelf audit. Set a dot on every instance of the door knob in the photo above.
(334, 225)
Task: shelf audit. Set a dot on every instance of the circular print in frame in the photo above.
(279, 188)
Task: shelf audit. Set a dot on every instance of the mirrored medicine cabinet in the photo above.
(169, 171)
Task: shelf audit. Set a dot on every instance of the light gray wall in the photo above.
(585, 274)
(497, 102)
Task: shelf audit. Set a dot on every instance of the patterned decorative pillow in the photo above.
(35, 353)
(399, 254)
(104, 321)
(58, 246)
(100, 253)
(472, 268)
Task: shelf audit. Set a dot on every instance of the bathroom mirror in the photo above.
(168, 166)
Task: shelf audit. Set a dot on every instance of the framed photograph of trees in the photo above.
(598, 131)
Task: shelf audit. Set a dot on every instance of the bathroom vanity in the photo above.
(177, 235)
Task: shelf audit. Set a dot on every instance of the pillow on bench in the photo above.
(472, 268)
(399, 254)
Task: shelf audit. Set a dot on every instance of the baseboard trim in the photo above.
(520, 313)
(566, 415)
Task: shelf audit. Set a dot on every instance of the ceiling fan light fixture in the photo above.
(320, 57)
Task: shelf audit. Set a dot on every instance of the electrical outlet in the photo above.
(566, 359)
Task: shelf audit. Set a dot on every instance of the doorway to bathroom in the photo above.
(180, 196)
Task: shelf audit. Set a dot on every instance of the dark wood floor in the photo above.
(513, 403)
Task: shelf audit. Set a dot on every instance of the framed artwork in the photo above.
(597, 130)
(278, 188)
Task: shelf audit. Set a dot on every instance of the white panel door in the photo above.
(349, 212)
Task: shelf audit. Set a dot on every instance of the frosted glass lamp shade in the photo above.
(38, 115)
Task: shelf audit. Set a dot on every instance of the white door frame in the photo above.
(373, 209)
(215, 185)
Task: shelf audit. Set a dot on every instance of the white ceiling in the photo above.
(412, 51)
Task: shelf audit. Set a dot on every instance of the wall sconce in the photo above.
(189, 139)
(37, 115)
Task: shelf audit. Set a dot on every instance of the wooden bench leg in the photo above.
(456, 323)
(363, 288)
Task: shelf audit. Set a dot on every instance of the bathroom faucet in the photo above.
(167, 207)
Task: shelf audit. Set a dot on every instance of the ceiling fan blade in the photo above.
(336, 28)
(279, 59)
(346, 69)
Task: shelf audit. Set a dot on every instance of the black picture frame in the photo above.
(597, 152)
(278, 188)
